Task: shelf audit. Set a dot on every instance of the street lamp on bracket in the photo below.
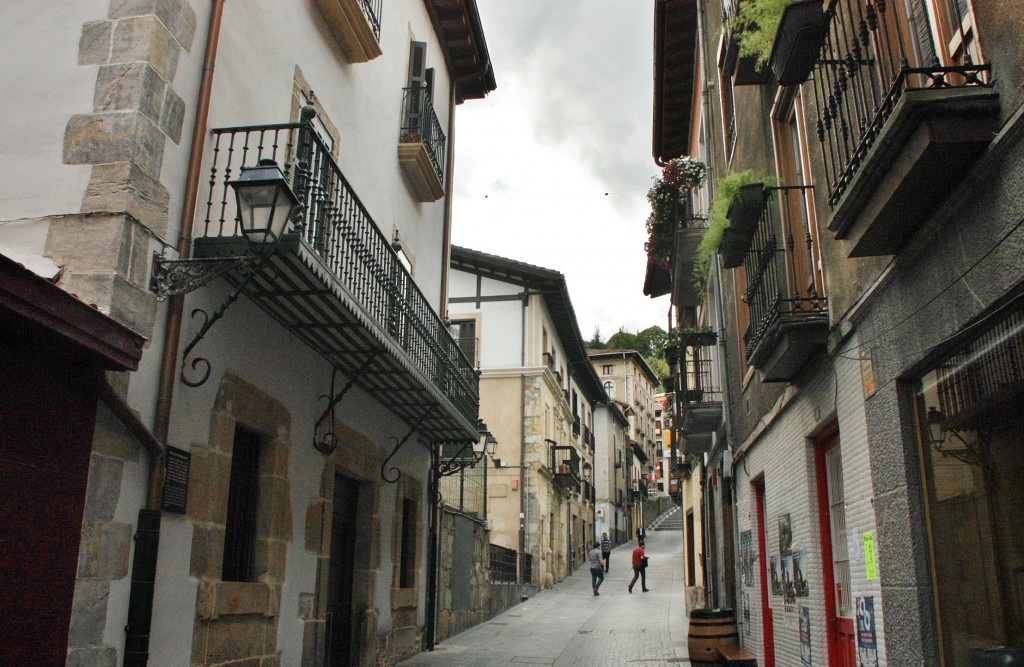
(265, 203)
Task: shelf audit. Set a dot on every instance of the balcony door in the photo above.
(834, 552)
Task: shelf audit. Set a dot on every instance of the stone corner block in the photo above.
(177, 15)
(104, 550)
(92, 656)
(104, 488)
(117, 136)
(94, 44)
(172, 118)
(145, 39)
(124, 186)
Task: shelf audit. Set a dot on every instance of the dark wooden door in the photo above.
(341, 645)
(835, 552)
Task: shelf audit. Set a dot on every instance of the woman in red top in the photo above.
(639, 569)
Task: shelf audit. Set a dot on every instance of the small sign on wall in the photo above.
(175, 497)
(870, 562)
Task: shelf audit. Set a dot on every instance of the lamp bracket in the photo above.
(456, 464)
(209, 320)
(329, 441)
(173, 277)
(391, 475)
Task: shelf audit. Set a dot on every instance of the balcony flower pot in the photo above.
(733, 248)
(798, 42)
(746, 208)
(701, 338)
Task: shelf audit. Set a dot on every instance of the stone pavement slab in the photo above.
(567, 625)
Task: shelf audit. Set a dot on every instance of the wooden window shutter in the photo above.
(921, 31)
(417, 77)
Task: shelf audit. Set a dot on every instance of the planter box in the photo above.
(699, 338)
(746, 209)
(733, 248)
(798, 42)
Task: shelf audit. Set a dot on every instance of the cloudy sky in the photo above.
(569, 122)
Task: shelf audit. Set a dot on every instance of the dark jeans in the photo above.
(606, 555)
(642, 573)
(596, 577)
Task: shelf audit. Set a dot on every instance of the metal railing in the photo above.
(465, 489)
(372, 12)
(565, 460)
(420, 123)
(863, 70)
(503, 564)
(775, 289)
(699, 381)
(340, 230)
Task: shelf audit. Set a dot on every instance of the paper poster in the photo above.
(746, 614)
(785, 534)
(867, 646)
(747, 557)
(805, 636)
(776, 582)
(800, 586)
(870, 564)
(788, 590)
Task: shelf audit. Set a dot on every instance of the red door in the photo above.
(766, 610)
(834, 551)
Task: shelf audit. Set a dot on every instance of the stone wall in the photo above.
(449, 620)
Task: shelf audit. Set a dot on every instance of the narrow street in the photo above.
(568, 625)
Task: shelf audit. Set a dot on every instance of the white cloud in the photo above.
(569, 122)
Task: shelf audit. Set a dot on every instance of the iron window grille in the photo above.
(243, 500)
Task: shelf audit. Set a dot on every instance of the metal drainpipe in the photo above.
(522, 448)
(433, 544)
(147, 537)
(446, 244)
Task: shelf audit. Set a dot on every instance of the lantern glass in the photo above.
(265, 202)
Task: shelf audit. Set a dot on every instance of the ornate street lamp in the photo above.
(265, 202)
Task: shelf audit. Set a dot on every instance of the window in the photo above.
(407, 566)
(243, 496)
(609, 389)
(728, 112)
(796, 197)
(970, 445)
(464, 333)
(607, 369)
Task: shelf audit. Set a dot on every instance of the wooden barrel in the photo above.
(709, 629)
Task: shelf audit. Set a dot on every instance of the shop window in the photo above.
(971, 434)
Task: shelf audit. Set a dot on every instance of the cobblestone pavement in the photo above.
(567, 625)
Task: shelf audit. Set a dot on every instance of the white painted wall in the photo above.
(43, 87)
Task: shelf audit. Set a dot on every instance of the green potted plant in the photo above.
(697, 336)
(726, 190)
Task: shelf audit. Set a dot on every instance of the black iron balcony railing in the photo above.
(777, 291)
(352, 257)
(699, 381)
(864, 68)
(420, 123)
(565, 462)
(576, 425)
(372, 12)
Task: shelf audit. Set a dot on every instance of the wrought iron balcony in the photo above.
(897, 130)
(701, 401)
(565, 462)
(355, 24)
(788, 316)
(336, 283)
(422, 144)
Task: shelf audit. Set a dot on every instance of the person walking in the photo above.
(597, 565)
(641, 535)
(639, 569)
(606, 550)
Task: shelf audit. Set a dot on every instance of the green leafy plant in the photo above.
(756, 25)
(725, 191)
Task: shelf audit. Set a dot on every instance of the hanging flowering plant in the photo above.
(678, 177)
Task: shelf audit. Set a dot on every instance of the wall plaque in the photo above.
(177, 464)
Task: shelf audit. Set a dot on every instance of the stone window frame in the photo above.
(301, 89)
(221, 605)
(407, 489)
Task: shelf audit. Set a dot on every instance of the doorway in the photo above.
(341, 644)
(762, 546)
(834, 550)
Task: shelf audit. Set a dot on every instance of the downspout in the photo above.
(446, 242)
(433, 544)
(147, 537)
(522, 450)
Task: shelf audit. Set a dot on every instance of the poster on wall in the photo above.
(870, 561)
(800, 587)
(788, 590)
(867, 645)
(746, 613)
(776, 583)
(785, 535)
(747, 557)
(805, 636)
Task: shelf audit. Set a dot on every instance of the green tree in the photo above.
(595, 341)
(650, 343)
